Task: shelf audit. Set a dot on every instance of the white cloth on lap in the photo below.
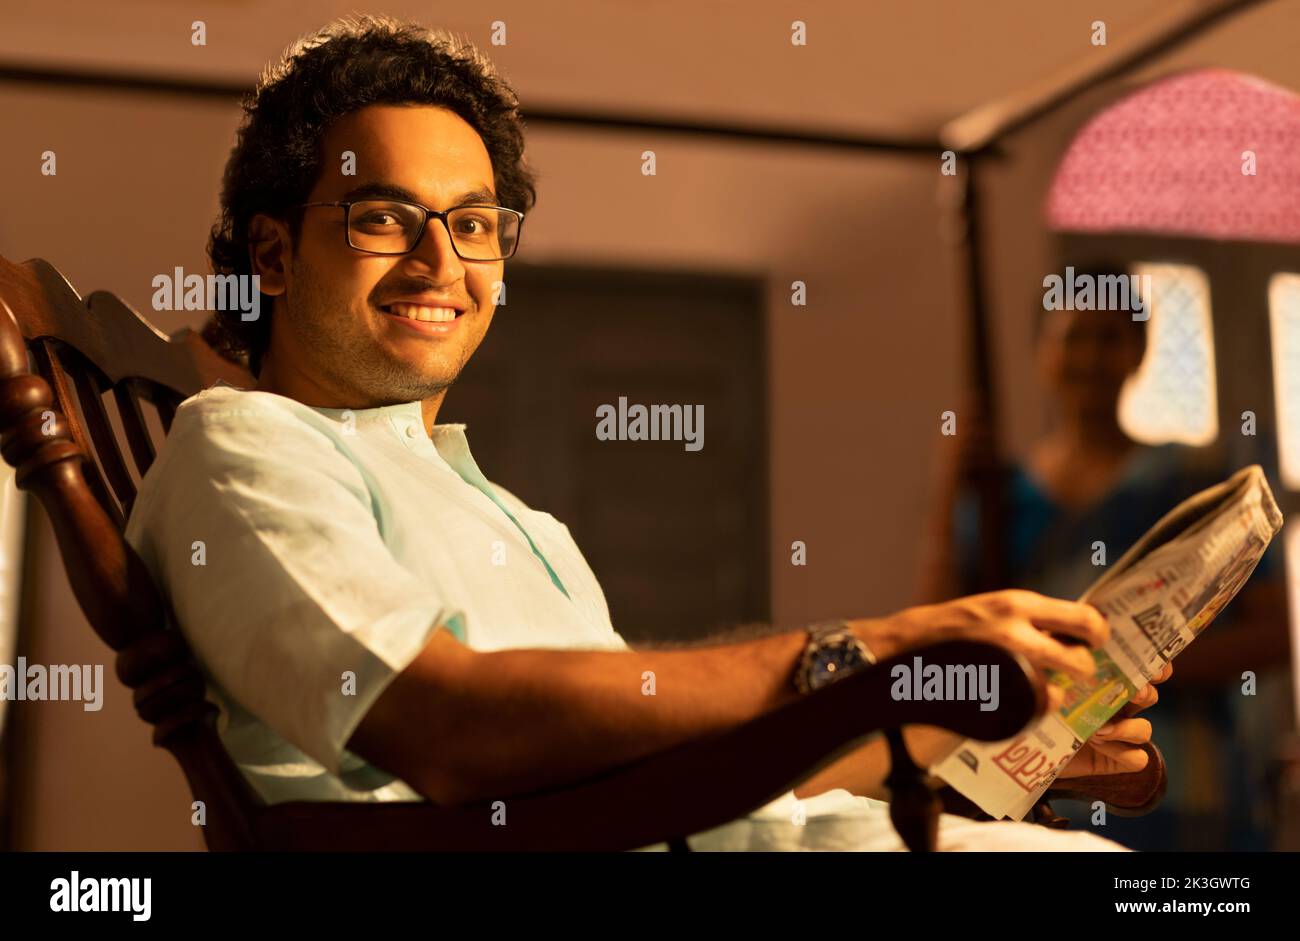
(838, 820)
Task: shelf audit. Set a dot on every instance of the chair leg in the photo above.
(913, 807)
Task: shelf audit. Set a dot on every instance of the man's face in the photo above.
(332, 322)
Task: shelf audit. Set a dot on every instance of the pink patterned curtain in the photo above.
(1176, 157)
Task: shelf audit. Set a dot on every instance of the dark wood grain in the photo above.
(1126, 795)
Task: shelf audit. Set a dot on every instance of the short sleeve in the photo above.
(260, 529)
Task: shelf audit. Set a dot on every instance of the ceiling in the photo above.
(880, 66)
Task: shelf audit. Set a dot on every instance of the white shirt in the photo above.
(332, 544)
(308, 554)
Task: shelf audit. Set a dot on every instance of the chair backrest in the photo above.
(57, 432)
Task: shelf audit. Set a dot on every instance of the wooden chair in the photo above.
(52, 423)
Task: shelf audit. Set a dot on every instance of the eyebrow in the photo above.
(381, 190)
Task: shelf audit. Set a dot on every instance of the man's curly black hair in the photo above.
(351, 63)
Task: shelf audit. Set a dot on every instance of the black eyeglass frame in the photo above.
(428, 213)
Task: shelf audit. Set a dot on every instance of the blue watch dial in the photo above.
(832, 662)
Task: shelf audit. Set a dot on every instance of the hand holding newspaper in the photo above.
(1164, 591)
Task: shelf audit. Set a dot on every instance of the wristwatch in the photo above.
(833, 651)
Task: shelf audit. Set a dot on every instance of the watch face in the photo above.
(831, 662)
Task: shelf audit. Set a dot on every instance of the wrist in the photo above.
(833, 651)
(881, 635)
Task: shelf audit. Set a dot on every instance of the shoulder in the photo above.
(508, 498)
(223, 425)
(1179, 468)
(228, 407)
(231, 441)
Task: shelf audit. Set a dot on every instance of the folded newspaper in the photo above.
(1158, 597)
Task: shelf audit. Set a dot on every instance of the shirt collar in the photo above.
(405, 421)
(399, 415)
(402, 413)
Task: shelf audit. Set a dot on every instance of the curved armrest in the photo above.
(688, 789)
(1131, 794)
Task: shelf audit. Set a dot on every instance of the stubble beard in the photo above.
(346, 352)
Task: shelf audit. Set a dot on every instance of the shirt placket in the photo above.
(412, 433)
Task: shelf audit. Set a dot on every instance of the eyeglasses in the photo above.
(394, 227)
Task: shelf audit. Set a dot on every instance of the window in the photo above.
(1284, 315)
(1291, 546)
(1172, 396)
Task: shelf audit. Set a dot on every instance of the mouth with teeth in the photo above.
(433, 321)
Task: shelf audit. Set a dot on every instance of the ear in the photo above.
(269, 249)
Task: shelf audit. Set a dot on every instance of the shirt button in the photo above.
(412, 431)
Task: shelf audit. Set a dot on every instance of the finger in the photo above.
(1132, 731)
(1081, 621)
(1164, 674)
(1047, 653)
(1079, 765)
(1146, 697)
(1055, 697)
(1118, 758)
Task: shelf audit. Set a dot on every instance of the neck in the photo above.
(430, 407)
(293, 384)
(1093, 433)
(296, 385)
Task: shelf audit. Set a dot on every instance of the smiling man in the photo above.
(369, 323)
(378, 621)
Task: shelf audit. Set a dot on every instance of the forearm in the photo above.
(520, 720)
(459, 725)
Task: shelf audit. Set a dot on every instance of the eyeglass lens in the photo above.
(481, 233)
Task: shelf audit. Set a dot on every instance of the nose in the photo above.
(435, 253)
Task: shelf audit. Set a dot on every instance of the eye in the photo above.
(377, 217)
(474, 225)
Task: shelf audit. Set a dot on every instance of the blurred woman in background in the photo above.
(1086, 481)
